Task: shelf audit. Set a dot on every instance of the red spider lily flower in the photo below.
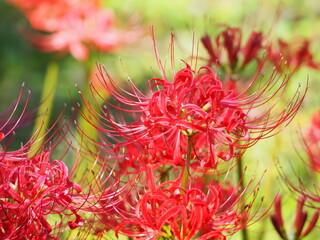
(230, 41)
(299, 222)
(195, 105)
(170, 211)
(32, 189)
(293, 55)
(73, 26)
(161, 218)
(39, 200)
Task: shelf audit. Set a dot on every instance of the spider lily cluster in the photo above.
(161, 166)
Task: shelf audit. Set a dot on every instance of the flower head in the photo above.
(195, 104)
(39, 198)
(170, 211)
(32, 189)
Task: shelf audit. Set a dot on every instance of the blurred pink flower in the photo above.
(73, 26)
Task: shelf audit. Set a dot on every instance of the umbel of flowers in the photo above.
(170, 211)
(38, 197)
(195, 109)
(187, 129)
(158, 174)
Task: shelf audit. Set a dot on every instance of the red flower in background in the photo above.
(293, 55)
(229, 43)
(300, 219)
(228, 51)
(73, 26)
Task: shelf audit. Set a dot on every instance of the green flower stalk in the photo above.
(45, 109)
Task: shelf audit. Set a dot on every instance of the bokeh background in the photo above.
(187, 19)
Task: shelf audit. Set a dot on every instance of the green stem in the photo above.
(87, 121)
(164, 173)
(185, 174)
(87, 135)
(45, 109)
(244, 231)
